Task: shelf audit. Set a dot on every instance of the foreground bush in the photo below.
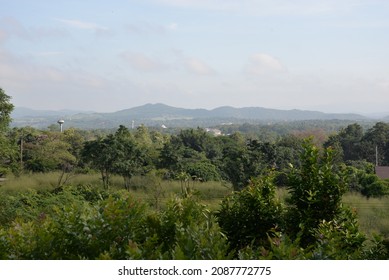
(118, 227)
(248, 216)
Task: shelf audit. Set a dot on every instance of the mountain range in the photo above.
(161, 114)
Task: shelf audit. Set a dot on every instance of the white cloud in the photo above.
(198, 67)
(11, 27)
(48, 53)
(141, 62)
(263, 64)
(145, 28)
(82, 24)
(39, 86)
(172, 26)
(266, 7)
(3, 36)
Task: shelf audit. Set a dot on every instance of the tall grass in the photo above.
(372, 213)
(46, 181)
(150, 189)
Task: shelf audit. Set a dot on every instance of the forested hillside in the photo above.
(157, 115)
(314, 168)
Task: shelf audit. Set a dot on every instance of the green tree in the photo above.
(181, 151)
(7, 150)
(116, 154)
(6, 108)
(46, 151)
(349, 140)
(132, 159)
(376, 137)
(102, 154)
(242, 161)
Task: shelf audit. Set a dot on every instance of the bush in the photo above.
(118, 227)
(77, 230)
(185, 230)
(372, 186)
(248, 216)
(316, 190)
(203, 171)
(339, 238)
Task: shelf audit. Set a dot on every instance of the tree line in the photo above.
(190, 154)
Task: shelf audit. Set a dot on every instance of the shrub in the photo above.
(339, 238)
(185, 230)
(316, 192)
(246, 217)
(203, 171)
(78, 230)
(372, 186)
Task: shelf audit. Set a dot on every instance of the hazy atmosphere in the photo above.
(106, 56)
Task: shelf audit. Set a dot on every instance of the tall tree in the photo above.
(102, 154)
(6, 108)
(376, 137)
(7, 151)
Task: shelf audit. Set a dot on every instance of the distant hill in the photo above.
(22, 112)
(159, 111)
(162, 111)
(158, 114)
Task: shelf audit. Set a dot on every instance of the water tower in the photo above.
(61, 122)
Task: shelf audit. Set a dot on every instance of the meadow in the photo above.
(372, 213)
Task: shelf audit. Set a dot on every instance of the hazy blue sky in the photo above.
(330, 55)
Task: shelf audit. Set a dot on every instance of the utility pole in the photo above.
(376, 155)
(21, 151)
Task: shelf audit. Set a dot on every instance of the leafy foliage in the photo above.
(248, 216)
(316, 191)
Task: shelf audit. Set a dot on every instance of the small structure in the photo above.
(61, 122)
(382, 172)
(214, 131)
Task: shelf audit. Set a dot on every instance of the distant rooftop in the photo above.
(382, 172)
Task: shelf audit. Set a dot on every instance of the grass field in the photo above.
(150, 189)
(372, 213)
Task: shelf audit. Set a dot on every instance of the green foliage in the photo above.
(30, 205)
(6, 108)
(377, 248)
(8, 156)
(187, 230)
(102, 154)
(77, 230)
(75, 223)
(203, 171)
(373, 187)
(117, 154)
(44, 152)
(339, 238)
(280, 247)
(83, 222)
(7, 150)
(316, 191)
(366, 183)
(246, 217)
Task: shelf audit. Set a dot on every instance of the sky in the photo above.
(105, 56)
